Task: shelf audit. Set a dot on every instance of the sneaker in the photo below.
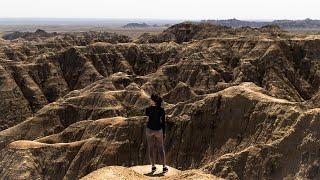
(153, 168)
(165, 169)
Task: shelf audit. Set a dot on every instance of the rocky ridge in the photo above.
(287, 24)
(240, 103)
(143, 172)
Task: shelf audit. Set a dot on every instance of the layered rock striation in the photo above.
(240, 103)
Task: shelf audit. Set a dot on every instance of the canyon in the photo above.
(241, 103)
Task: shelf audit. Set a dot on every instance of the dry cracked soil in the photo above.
(241, 103)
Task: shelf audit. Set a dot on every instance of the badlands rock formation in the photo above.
(143, 172)
(240, 103)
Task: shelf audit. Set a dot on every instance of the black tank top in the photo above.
(156, 116)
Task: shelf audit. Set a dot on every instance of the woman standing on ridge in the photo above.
(155, 131)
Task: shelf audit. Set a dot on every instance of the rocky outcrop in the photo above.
(180, 93)
(188, 31)
(14, 107)
(226, 122)
(143, 172)
(76, 38)
(287, 24)
(39, 33)
(237, 107)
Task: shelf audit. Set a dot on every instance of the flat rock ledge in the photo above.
(144, 172)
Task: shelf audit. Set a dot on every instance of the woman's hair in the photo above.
(157, 99)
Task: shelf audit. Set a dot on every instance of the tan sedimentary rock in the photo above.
(240, 103)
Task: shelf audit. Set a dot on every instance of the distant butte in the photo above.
(136, 25)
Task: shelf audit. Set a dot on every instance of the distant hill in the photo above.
(136, 25)
(287, 24)
(28, 35)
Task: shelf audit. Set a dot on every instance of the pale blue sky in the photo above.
(163, 9)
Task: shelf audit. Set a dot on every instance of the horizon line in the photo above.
(163, 19)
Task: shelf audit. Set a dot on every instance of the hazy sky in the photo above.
(162, 9)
